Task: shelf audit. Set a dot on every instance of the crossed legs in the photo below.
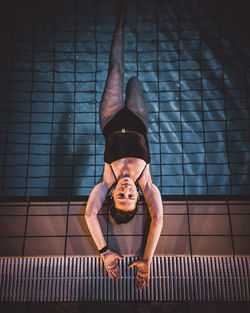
(112, 98)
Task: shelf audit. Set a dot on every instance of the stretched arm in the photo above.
(153, 199)
(94, 204)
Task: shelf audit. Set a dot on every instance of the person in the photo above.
(127, 158)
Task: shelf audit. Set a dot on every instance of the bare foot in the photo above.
(122, 10)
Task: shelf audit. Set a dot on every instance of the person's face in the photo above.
(125, 194)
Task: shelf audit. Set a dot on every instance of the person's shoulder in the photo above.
(145, 180)
(108, 176)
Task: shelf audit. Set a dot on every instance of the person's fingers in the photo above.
(120, 257)
(139, 283)
(143, 274)
(110, 273)
(109, 269)
(116, 272)
(131, 265)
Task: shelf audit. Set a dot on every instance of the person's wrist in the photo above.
(105, 253)
(145, 260)
(103, 250)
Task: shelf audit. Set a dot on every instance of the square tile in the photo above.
(209, 225)
(44, 246)
(13, 210)
(173, 245)
(84, 246)
(11, 246)
(12, 225)
(175, 202)
(49, 203)
(77, 208)
(175, 225)
(239, 202)
(208, 202)
(14, 203)
(240, 224)
(136, 226)
(211, 245)
(48, 209)
(174, 208)
(127, 245)
(46, 226)
(239, 208)
(77, 225)
(80, 208)
(241, 245)
(207, 208)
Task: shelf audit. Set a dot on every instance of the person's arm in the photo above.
(94, 204)
(154, 203)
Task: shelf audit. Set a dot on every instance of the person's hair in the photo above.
(120, 216)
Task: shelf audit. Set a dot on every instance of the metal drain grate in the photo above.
(83, 279)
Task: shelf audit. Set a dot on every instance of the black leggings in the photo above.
(125, 119)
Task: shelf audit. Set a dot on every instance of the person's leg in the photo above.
(112, 98)
(135, 99)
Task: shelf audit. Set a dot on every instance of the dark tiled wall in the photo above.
(190, 228)
(193, 60)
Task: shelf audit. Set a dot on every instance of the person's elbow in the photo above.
(158, 219)
(89, 215)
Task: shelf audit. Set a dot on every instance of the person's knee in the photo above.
(133, 85)
(134, 80)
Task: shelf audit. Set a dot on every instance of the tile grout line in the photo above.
(25, 227)
(230, 227)
(66, 231)
(189, 228)
(202, 102)
(53, 102)
(30, 101)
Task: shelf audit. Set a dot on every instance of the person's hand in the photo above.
(109, 258)
(142, 272)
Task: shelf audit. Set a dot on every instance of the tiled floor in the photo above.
(190, 228)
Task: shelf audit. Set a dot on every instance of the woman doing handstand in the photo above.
(127, 158)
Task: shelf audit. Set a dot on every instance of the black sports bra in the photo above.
(126, 136)
(121, 145)
(136, 182)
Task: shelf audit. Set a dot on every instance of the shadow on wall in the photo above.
(62, 156)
